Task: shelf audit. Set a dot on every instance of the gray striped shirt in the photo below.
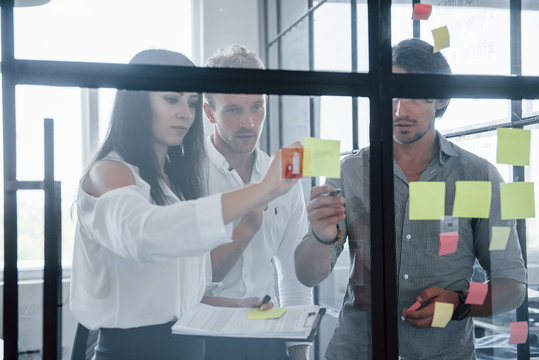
(418, 265)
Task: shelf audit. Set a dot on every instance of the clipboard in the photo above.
(298, 323)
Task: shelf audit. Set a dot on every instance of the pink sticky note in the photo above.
(415, 306)
(448, 243)
(421, 11)
(519, 332)
(477, 293)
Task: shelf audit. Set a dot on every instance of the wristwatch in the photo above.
(463, 309)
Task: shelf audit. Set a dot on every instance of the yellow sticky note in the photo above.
(517, 200)
(273, 313)
(442, 314)
(513, 146)
(472, 199)
(441, 38)
(325, 157)
(499, 237)
(307, 171)
(427, 200)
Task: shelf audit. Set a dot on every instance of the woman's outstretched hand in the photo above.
(273, 181)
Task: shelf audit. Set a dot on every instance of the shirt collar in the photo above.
(217, 159)
(446, 147)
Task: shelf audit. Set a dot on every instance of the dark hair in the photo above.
(130, 136)
(417, 56)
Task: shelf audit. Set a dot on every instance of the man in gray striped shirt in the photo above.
(420, 154)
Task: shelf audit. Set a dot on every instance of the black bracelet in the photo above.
(338, 236)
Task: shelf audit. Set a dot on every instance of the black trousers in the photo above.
(242, 349)
(147, 342)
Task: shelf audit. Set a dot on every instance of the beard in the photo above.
(414, 138)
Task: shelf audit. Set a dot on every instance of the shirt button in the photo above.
(405, 276)
(403, 318)
(408, 237)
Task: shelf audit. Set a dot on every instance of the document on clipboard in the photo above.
(297, 323)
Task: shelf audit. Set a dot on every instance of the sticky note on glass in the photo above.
(448, 243)
(427, 200)
(472, 199)
(441, 38)
(499, 237)
(519, 332)
(442, 314)
(477, 293)
(306, 166)
(513, 146)
(421, 11)
(273, 313)
(517, 200)
(291, 162)
(324, 159)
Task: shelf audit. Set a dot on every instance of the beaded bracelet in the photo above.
(336, 239)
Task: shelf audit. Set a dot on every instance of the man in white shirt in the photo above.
(263, 240)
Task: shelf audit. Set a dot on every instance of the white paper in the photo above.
(295, 323)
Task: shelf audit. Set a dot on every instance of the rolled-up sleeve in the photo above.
(124, 222)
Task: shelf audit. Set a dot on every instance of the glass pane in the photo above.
(467, 114)
(289, 121)
(63, 105)
(478, 33)
(450, 207)
(530, 31)
(332, 37)
(101, 31)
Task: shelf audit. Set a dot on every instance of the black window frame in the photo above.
(380, 85)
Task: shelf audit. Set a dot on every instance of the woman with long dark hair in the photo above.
(144, 229)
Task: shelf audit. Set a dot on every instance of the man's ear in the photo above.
(440, 104)
(209, 113)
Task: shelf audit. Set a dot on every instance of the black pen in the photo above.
(265, 300)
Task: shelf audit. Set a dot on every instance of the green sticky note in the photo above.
(499, 237)
(427, 200)
(513, 146)
(442, 314)
(472, 199)
(273, 313)
(307, 170)
(517, 200)
(441, 38)
(325, 157)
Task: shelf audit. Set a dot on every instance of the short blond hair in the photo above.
(234, 56)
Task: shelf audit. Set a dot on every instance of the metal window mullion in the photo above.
(312, 132)
(382, 213)
(416, 26)
(280, 33)
(354, 46)
(279, 66)
(515, 14)
(11, 293)
(52, 270)
(267, 62)
(531, 120)
(90, 123)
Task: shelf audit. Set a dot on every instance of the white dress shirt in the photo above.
(136, 263)
(283, 227)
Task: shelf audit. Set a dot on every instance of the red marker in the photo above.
(415, 306)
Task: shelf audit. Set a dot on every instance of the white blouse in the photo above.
(136, 263)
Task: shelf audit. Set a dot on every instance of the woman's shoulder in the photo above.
(107, 174)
